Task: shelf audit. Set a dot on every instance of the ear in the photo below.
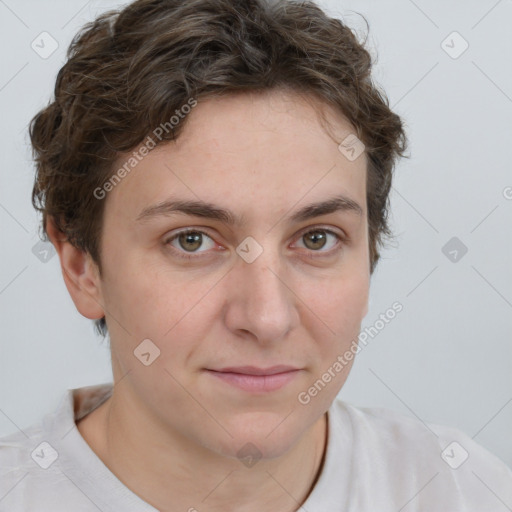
(80, 273)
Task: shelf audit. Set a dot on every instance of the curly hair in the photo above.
(129, 70)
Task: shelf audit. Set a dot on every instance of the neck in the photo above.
(172, 473)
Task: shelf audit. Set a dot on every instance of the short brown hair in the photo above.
(128, 71)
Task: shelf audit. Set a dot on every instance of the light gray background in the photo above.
(447, 357)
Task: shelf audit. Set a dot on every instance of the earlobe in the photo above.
(80, 274)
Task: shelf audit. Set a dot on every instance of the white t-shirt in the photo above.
(376, 461)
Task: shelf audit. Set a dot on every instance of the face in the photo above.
(259, 290)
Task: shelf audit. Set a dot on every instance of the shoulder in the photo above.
(395, 451)
(30, 473)
(22, 454)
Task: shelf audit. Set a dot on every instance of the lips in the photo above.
(256, 380)
(253, 370)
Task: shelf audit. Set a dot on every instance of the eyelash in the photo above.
(341, 240)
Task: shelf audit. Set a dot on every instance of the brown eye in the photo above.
(190, 241)
(317, 240)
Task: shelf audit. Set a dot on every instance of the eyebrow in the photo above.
(210, 211)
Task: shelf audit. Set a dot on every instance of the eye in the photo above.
(189, 241)
(317, 239)
(185, 244)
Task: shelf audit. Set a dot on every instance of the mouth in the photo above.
(256, 380)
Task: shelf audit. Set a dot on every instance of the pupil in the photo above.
(315, 237)
(191, 238)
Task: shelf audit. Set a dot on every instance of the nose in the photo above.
(261, 302)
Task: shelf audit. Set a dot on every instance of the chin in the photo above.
(261, 434)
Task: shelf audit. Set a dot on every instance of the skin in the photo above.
(171, 431)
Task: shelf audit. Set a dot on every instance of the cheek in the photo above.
(340, 301)
(351, 304)
(171, 307)
(339, 308)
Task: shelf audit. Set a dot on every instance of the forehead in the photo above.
(247, 151)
